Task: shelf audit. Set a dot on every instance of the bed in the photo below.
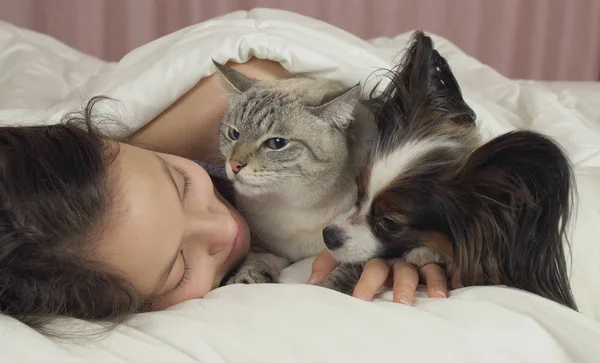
(42, 79)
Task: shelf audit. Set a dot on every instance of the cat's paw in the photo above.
(259, 268)
(251, 275)
(336, 285)
(343, 279)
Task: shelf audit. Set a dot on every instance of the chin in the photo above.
(249, 190)
(504, 204)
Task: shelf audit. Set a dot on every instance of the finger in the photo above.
(406, 280)
(373, 277)
(322, 266)
(436, 280)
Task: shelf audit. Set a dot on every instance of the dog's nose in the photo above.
(236, 166)
(334, 237)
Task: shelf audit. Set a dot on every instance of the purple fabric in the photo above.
(213, 170)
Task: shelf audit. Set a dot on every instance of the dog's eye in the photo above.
(233, 134)
(390, 225)
(276, 143)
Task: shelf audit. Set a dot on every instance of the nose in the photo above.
(214, 230)
(334, 237)
(236, 166)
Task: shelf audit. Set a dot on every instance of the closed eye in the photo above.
(187, 180)
(186, 272)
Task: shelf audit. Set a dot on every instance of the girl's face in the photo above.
(170, 232)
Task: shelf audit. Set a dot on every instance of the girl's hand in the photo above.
(402, 276)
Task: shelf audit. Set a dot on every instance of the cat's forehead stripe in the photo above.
(255, 105)
(259, 106)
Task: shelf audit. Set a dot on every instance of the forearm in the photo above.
(190, 126)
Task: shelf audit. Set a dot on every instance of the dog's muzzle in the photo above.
(334, 237)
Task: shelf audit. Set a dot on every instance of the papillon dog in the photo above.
(504, 204)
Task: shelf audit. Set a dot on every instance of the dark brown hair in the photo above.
(54, 202)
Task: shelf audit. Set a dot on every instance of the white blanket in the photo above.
(41, 79)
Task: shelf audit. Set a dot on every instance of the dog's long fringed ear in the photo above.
(233, 81)
(520, 187)
(422, 91)
(433, 90)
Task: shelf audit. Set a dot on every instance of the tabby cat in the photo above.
(293, 150)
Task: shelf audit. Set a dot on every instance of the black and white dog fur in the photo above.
(504, 204)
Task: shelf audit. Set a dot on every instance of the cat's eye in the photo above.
(276, 143)
(233, 134)
(390, 225)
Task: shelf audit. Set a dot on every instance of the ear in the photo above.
(519, 189)
(234, 81)
(422, 90)
(339, 110)
(432, 86)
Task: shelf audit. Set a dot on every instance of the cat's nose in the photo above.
(236, 166)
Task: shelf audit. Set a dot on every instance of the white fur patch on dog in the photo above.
(389, 167)
(360, 246)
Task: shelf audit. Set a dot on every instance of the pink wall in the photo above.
(537, 39)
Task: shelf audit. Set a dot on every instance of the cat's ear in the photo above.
(339, 110)
(233, 81)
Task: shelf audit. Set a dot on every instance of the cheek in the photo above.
(283, 158)
(405, 240)
(262, 162)
(396, 245)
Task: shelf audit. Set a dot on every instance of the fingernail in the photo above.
(405, 298)
(313, 279)
(439, 292)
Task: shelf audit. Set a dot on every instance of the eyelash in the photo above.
(186, 272)
(186, 179)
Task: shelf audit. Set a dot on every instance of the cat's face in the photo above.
(277, 135)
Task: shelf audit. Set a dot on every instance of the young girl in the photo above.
(99, 229)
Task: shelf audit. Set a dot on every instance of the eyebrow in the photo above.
(167, 170)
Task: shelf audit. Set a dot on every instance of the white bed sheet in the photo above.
(41, 79)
